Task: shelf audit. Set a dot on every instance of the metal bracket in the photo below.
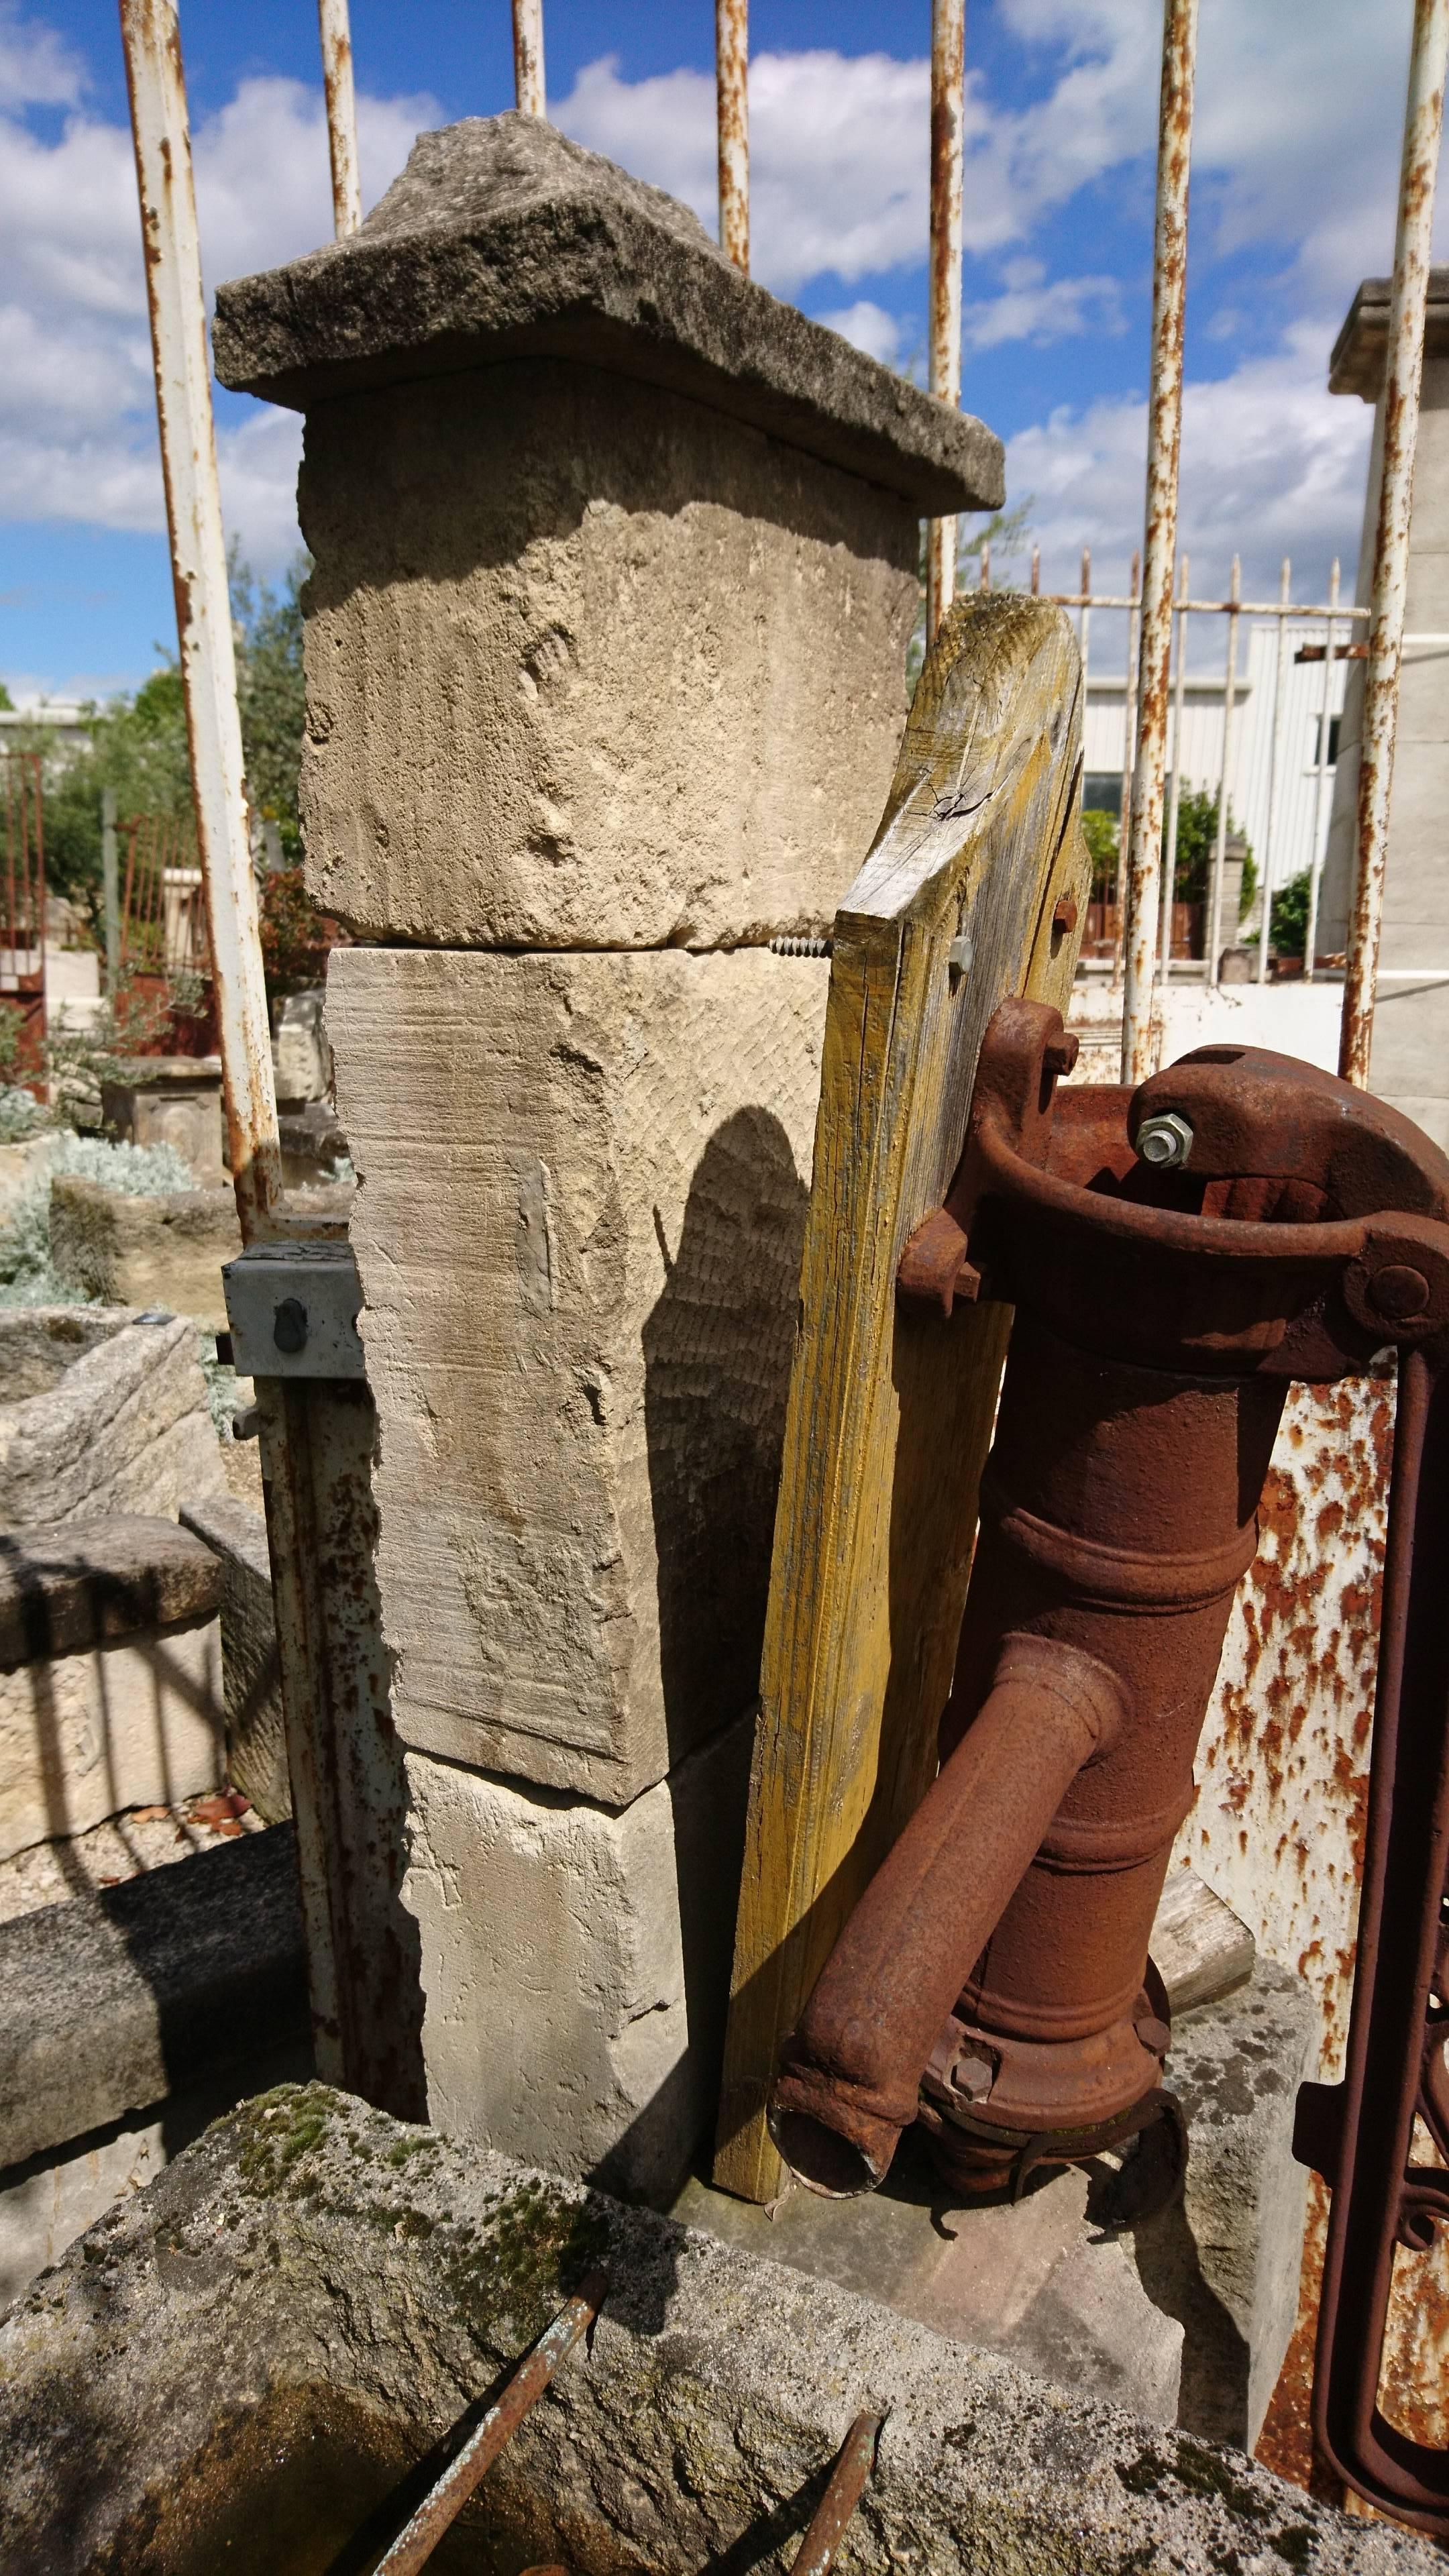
(293, 1310)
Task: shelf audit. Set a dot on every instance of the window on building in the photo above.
(1102, 791)
(1333, 725)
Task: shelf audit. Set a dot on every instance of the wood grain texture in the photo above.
(890, 1418)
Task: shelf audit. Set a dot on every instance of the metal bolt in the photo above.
(785, 945)
(1064, 917)
(1398, 1291)
(289, 1325)
(1165, 1141)
(1060, 1054)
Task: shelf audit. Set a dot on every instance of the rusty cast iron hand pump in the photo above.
(1176, 1256)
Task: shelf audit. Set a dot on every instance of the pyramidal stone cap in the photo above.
(1360, 353)
(504, 239)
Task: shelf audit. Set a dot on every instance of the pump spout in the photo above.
(850, 2075)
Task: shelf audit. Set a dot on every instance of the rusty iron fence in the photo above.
(163, 931)
(22, 893)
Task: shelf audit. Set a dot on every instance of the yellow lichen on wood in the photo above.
(890, 1418)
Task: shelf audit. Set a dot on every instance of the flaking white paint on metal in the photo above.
(338, 86)
(203, 610)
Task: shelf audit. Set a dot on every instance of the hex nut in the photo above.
(1164, 1142)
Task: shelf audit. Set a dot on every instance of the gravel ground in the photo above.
(144, 1838)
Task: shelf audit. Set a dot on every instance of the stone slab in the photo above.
(145, 1252)
(170, 1100)
(578, 1233)
(109, 2004)
(84, 1736)
(501, 234)
(576, 1963)
(590, 666)
(69, 1585)
(256, 1734)
(313, 2251)
(100, 1412)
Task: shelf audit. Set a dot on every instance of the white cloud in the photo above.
(869, 327)
(77, 419)
(1270, 466)
(1031, 307)
(37, 67)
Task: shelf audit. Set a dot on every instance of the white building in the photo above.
(1303, 814)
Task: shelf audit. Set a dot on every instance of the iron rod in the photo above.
(1084, 630)
(1164, 444)
(157, 87)
(1169, 856)
(1403, 376)
(1129, 735)
(1220, 836)
(848, 2481)
(529, 89)
(444, 2502)
(1320, 792)
(341, 116)
(1275, 777)
(110, 892)
(948, 78)
(732, 109)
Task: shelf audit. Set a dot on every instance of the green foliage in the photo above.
(270, 693)
(7, 703)
(295, 937)
(1101, 834)
(138, 744)
(1288, 928)
(1197, 832)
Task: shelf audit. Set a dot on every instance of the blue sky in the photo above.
(1293, 182)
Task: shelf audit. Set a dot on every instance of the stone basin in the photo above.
(102, 1409)
(257, 2360)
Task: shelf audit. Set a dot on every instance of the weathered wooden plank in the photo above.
(889, 1419)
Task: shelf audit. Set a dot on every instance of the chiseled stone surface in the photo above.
(578, 1231)
(590, 665)
(161, 1251)
(100, 1413)
(311, 2243)
(117, 1999)
(503, 234)
(66, 1585)
(576, 1962)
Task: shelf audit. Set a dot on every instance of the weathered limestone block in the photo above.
(256, 1735)
(110, 1674)
(576, 1963)
(161, 1251)
(615, 561)
(170, 1100)
(101, 1412)
(578, 1230)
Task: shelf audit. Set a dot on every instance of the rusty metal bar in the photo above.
(732, 111)
(341, 116)
(1164, 442)
(444, 2502)
(1275, 773)
(948, 78)
(848, 2482)
(156, 82)
(1320, 793)
(1214, 941)
(984, 569)
(529, 88)
(1403, 375)
(1133, 605)
(1169, 856)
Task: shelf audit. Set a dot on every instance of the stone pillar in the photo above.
(615, 572)
(1411, 1010)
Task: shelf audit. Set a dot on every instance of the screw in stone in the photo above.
(289, 1325)
(1164, 1142)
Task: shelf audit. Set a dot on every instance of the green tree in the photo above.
(1197, 834)
(138, 744)
(1288, 929)
(1101, 834)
